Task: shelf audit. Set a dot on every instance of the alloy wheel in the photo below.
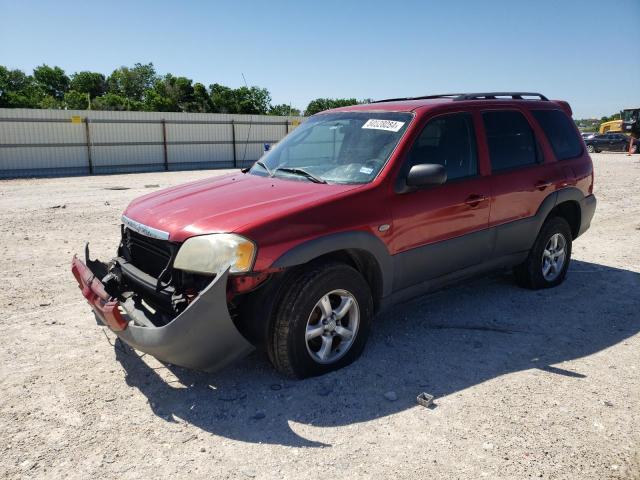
(553, 257)
(332, 326)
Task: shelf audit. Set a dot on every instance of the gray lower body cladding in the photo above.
(203, 336)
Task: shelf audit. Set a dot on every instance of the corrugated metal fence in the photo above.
(37, 143)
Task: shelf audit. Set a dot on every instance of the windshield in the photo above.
(630, 115)
(345, 147)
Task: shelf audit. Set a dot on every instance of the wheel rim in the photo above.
(554, 257)
(590, 149)
(332, 326)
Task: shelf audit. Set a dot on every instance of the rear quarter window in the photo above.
(511, 141)
(559, 129)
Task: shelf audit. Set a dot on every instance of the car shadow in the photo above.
(440, 344)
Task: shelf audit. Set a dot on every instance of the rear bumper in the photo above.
(587, 209)
(202, 337)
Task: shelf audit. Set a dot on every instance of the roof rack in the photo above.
(494, 95)
(424, 97)
(470, 96)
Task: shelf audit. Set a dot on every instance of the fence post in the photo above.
(164, 145)
(88, 135)
(233, 141)
(286, 127)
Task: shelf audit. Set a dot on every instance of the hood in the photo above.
(226, 203)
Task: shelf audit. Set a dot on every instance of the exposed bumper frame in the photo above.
(202, 337)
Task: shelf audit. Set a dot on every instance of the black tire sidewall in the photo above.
(333, 278)
(551, 227)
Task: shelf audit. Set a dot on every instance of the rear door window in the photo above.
(450, 141)
(559, 129)
(511, 140)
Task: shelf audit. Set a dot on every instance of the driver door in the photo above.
(442, 229)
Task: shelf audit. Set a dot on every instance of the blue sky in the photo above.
(581, 51)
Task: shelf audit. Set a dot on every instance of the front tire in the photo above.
(590, 149)
(322, 320)
(548, 260)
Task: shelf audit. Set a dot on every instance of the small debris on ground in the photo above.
(425, 399)
(153, 185)
(259, 415)
(249, 473)
(59, 206)
(117, 188)
(391, 396)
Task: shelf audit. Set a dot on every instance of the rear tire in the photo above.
(321, 322)
(548, 260)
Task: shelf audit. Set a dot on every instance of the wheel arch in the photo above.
(362, 250)
(564, 203)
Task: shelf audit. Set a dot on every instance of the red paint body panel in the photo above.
(227, 203)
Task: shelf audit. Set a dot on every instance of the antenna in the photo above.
(246, 143)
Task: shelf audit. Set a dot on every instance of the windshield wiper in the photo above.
(264, 165)
(300, 171)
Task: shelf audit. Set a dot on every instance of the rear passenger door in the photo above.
(442, 229)
(520, 178)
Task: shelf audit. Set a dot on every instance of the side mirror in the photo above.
(426, 175)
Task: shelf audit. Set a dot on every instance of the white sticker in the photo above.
(388, 125)
(366, 170)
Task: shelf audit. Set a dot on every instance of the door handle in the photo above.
(542, 184)
(474, 200)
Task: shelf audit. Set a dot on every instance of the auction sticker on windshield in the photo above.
(389, 125)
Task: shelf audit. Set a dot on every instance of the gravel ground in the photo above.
(527, 384)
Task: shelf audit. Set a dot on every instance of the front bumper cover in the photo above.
(202, 337)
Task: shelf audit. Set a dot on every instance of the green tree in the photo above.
(113, 101)
(51, 103)
(321, 104)
(176, 92)
(155, 101)
(253, 100)
(201, 100)
(52, 80)
(247, 100)
(92, 83)
(75, 100)
(16, 89)
(132, 83)
(222, 99)
(283, 110)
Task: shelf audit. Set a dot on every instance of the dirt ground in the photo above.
(527, 384)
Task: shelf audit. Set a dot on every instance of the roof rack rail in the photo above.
(494, 95)
(424, 97)
(469, 96)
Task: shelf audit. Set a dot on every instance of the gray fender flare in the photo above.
(354, 240)
(554, 199)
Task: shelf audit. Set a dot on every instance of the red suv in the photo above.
(357, 209)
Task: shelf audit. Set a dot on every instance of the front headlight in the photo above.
(214, 253)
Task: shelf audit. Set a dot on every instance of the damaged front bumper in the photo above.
(202, 337)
